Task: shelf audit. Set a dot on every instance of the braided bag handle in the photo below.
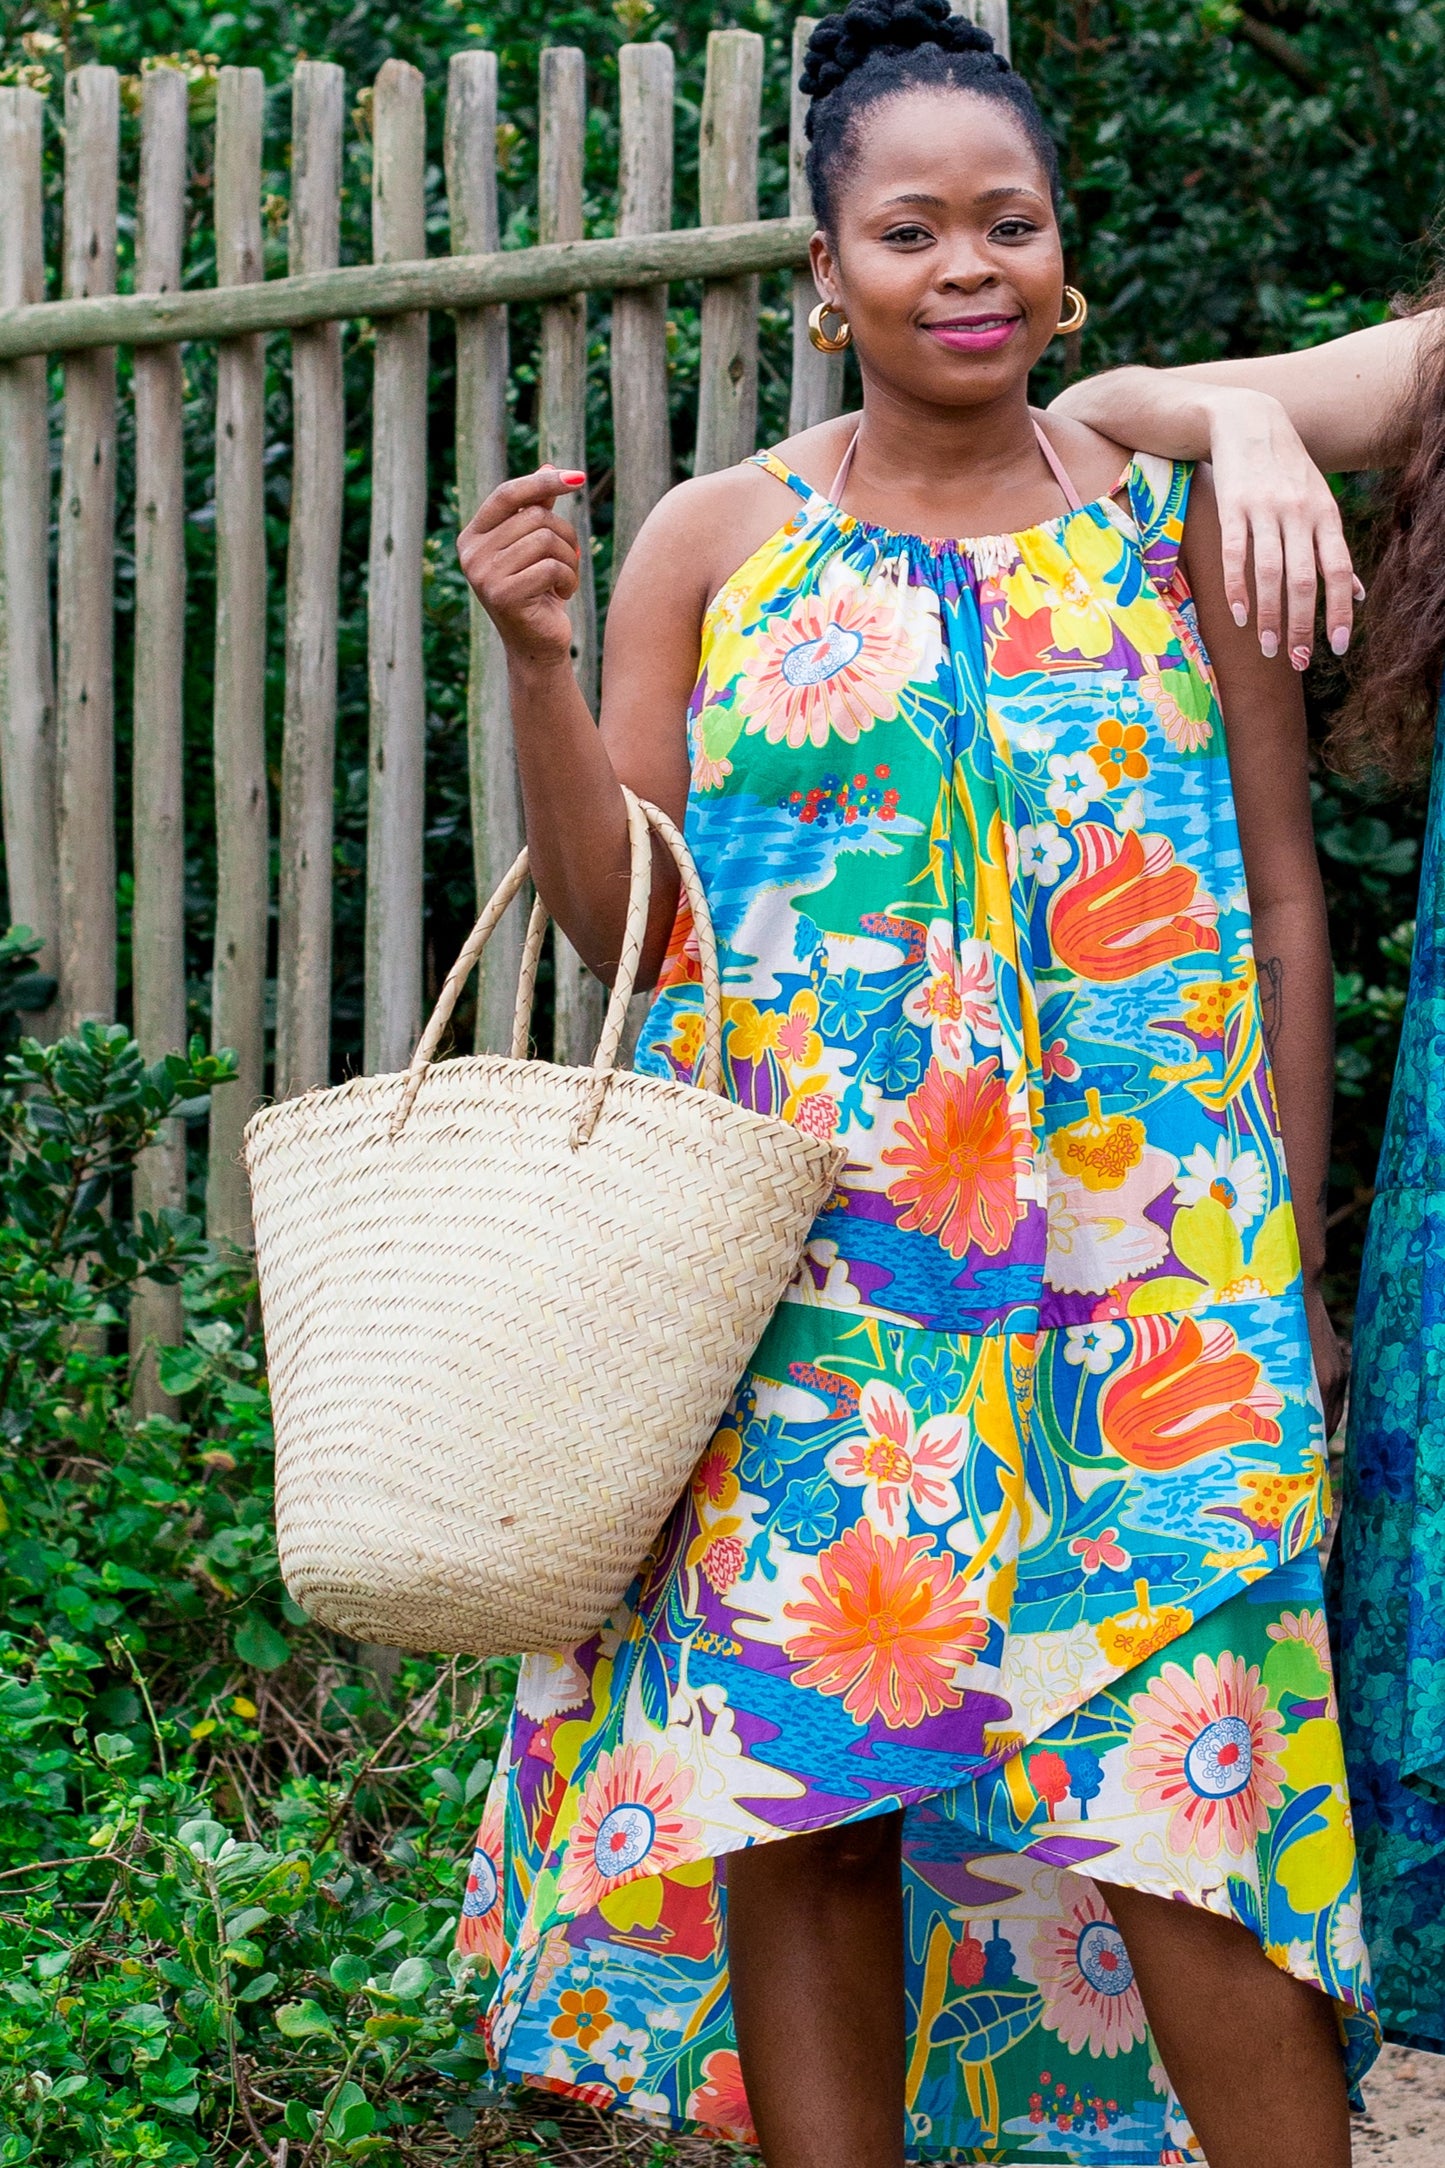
(642, 818)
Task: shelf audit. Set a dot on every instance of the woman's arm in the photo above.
(1269, 426)
(521, 558)
(1265, 725)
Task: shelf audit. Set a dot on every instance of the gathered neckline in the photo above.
(781, 472)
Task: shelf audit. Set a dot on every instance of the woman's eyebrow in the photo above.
(1001, 194)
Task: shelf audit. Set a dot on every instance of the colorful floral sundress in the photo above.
(1013, 1520)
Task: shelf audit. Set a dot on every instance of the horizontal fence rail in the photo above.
(399, 289)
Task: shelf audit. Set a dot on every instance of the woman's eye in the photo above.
(1013, 229)
(908, 236)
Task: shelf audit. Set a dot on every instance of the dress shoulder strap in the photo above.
(1059, 472)
(771, 464)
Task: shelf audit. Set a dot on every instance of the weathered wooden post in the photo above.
(238, 986)
(313, 572)
(496, 803)
(158, 925)
(641, 435)
(85, 702)
(817, 387)
(727, 392)
(562, 440)
(394, 650)
(27, 672)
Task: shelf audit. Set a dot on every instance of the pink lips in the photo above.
(974, 334)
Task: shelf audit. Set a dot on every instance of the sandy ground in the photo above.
(1405, 2126)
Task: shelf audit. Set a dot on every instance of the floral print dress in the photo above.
(1012, 1522)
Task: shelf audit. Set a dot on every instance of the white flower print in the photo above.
(622, 2052)
(1093, 1346)
(1043, 853)
(1131, 813)
(897, 1467)
(957, 1001)
(1234, 1179)
(1074, 784)
(1034, 738)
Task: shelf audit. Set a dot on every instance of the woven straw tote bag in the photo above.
(506, 1304)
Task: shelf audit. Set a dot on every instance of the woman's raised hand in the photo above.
(522, 560)
(1277, 508)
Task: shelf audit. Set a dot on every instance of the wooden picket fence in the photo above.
(57, 692)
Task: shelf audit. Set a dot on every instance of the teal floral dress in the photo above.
(1387, 1577)
(1012, 1521)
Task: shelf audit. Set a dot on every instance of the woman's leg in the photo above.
(1253, 2054)
(815, 1951)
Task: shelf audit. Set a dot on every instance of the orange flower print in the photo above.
(797, 1039)
(714, 1485)
(1188, 1389)
(964, 1152)
(1204, 1749)
(583, 2015)
(832, 666)
(481, 1929)
(1129, 906)
(1119, 751)
(721, 2101)
(887, 1626)
(629, 1824)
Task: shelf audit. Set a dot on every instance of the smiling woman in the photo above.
(965, 1758)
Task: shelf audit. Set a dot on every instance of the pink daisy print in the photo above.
(832, 666)
(1203, 1750)
(898, 1468)
(481, 1929)
(1085, 1978)
(629, 1824)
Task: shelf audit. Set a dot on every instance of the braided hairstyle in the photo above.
(880, 49)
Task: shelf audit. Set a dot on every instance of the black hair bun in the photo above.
(841, 43)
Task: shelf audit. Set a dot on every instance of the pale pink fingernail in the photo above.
(1269, 644)
(1340, 639)
(1240, 613)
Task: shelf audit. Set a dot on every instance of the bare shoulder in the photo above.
(703, 530)
(1093, 461)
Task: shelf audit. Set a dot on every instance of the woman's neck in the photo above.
(950, 471)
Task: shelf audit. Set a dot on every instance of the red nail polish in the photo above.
(573, 479)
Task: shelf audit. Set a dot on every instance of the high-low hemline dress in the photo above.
(1012, 1522)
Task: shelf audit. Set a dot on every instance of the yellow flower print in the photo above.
(753, 1031)
(1130, 1636)
(1102, 555)
(687, 1038)
(1102, 1148)
(1269, 1498)
(1209, 1003)
(1206, 1241)
(1046, 578)
(1118, 752)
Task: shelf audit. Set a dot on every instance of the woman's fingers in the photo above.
(1234, 550)
(1342, 589)
(538, 548)
(1300, 589)
(524, 490)
(1268, 567)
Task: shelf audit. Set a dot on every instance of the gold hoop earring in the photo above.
(829, 342)
(1078, 314)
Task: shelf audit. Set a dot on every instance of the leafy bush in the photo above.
(230, 1879)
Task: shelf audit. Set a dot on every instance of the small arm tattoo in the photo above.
(1271, 999)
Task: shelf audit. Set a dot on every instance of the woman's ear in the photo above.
(825, 266)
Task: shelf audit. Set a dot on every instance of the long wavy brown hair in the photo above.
(1386, 729)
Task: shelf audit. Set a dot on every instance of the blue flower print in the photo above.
(895, 1059)
(767, 1449)
(937, 1377)
(809, 1511)
(845, 1006)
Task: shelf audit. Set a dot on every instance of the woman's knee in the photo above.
(851, 1852)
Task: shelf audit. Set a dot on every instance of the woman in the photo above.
(1374, 399)
(975, 1702)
